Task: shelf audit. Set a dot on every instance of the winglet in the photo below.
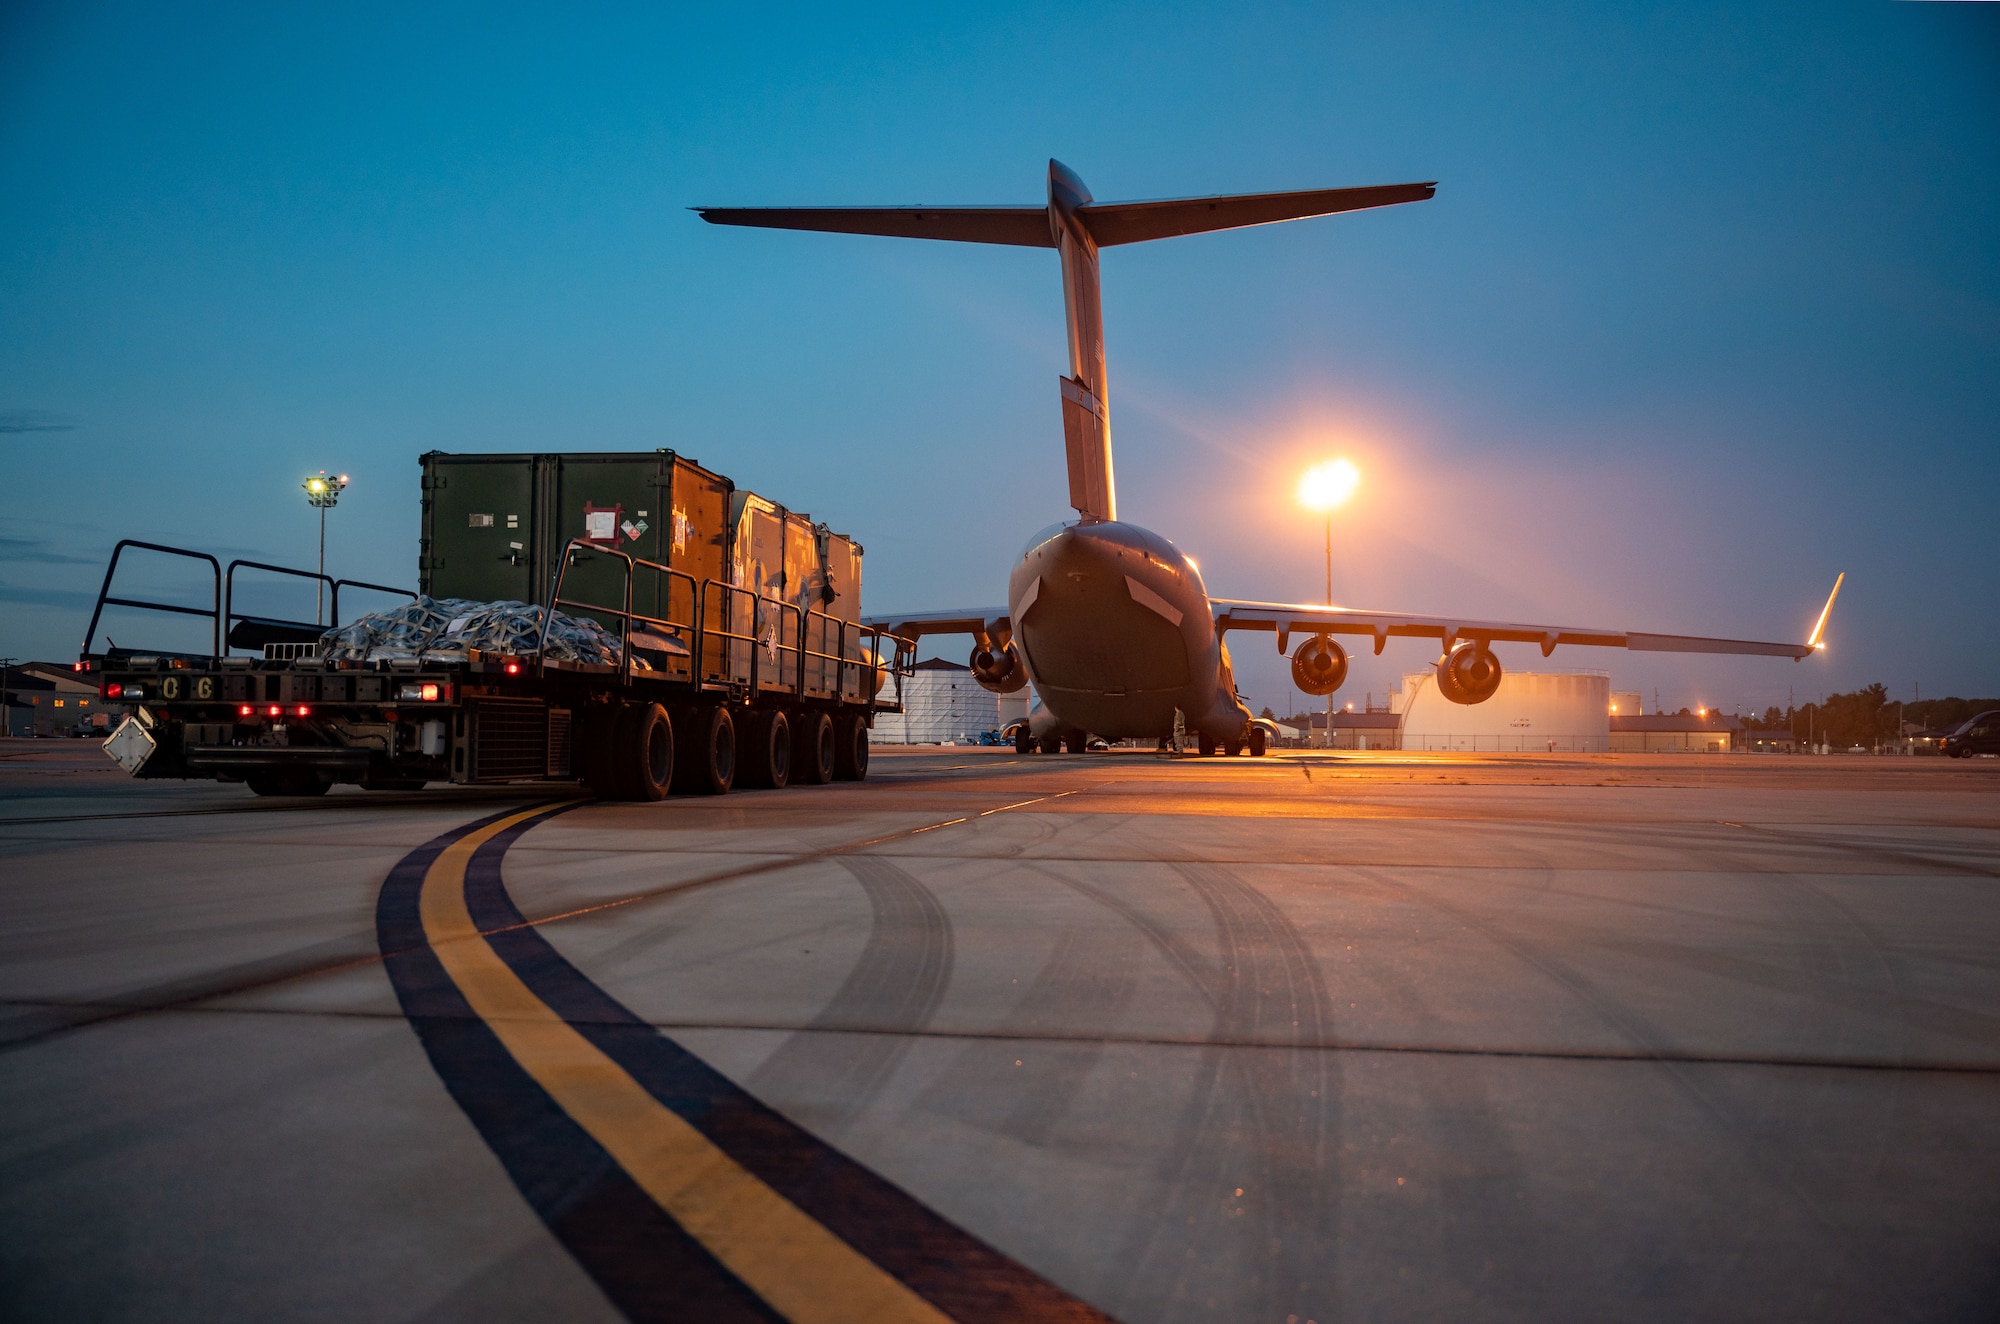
(1819, 626)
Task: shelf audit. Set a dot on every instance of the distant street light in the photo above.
(1325, 488)
(322, 492)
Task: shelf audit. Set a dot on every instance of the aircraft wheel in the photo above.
(1205, 743)
(1023, 742)
(767, 750)
(812, 749)
(850, 749)
(1076, 742)
(1257, 739)
(1231, 748)
(1050, 744)
(707, 762)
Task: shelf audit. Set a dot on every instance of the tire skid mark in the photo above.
(339, 954)
(1815, 912)
(1262, 982)
(896, 984)
(1090, 976)
(1903, 859)
(1654, 1045)
(1285, 1099)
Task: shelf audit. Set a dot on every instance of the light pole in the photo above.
(1325, 488)
(322, 492)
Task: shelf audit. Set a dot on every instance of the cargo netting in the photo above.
(447, 629)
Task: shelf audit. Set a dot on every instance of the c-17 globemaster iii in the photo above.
(1110, 622)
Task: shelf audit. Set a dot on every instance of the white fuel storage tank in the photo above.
(1550, 712)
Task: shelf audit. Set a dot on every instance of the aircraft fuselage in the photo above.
(1114, 625)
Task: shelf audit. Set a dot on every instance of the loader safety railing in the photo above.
(756, 643)
(686, 633)
(333, 607)
(736, 638)
(104, 598)
(875, 669)
(300, 632)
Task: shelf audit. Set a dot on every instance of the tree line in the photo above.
(1866, 717)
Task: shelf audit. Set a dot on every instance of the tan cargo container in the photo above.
(798, 582)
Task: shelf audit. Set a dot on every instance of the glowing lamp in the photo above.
(1326, 486)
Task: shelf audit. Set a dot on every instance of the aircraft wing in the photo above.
(1294, 618)
(971, 620)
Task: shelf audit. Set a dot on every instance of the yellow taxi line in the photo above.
(794, 1263)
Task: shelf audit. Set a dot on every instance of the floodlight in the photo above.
(1328, 485)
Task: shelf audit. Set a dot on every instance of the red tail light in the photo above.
(275, 711)
(112, 689)
(430, 693)
(303, 711)
(513, 668)
(246, 711)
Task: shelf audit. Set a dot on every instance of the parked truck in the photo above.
(730, 646)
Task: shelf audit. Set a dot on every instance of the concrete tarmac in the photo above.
(1314, 1037)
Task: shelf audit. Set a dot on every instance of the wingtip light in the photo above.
(1813, 641)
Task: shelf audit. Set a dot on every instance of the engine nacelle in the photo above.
(1319, 666)
(998, 670)
(1469, 674)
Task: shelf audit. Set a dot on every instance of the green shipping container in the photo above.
(494, 527)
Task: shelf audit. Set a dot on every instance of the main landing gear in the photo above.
(1073, 741)
(1256, 741)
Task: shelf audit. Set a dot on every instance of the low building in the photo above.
(53, 699)
(1675, 733)
(1766, 742)
(1351, 730)
(942, 704)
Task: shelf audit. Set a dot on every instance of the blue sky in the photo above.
(1707, 307)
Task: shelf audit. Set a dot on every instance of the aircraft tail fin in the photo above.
(1135, 222)
(1077, 226)
(1025, 227)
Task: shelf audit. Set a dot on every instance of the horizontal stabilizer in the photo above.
(1133, 222)
(1025, 227)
